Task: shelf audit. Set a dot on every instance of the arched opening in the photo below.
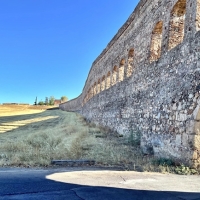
(103, 84)
(177, 24)
(114, 75)
(130, 63)
(95, 88)
(86, 98)
(156, 40)
(198, 16)
(108, 81)
(88, 95)
(99, 86)
(91, 92)
(121, 70)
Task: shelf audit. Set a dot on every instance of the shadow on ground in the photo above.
(24, 117)
(7, 122)
(33, 184)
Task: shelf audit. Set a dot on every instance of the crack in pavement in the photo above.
(122, 178)
(76, 193)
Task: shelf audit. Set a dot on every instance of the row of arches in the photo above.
(198, 16)
(125, 69)
(118, 74)
(176, 29)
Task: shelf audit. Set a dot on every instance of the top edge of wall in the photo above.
(118, 34)
(122, 29)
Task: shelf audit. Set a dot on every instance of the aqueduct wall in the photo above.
(148, 78)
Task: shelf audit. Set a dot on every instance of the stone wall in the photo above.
(148, 79)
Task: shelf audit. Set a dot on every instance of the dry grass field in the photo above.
(15, 116)
(33, 136)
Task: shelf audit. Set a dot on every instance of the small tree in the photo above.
(41, 103)
(63, 99)
(47, 101)
(51, 100)
(35, 103)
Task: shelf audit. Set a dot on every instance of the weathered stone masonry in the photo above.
(148, 78)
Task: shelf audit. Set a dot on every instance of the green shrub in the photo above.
(134, 138)
(164, 162)
(184, 170)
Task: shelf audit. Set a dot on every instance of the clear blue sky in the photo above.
(47, 46)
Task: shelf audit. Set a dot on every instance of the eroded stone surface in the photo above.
(148, 80)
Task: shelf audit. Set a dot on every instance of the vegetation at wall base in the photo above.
(134, 138)
(172, 166)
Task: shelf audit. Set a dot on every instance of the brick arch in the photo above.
(95, 88)
(92, 91)
(177, 24)
(115, 75)
(84, 100)
(103, 83)
(198, 16)
(89, 94)
(156, 41)
(99, 86)
(121, 70)
(108, 80)
(130, 63)
(87, 97)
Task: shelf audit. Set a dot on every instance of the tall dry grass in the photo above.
(39, 138)
(47, 135)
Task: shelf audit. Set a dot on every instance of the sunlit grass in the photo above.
(12, 110)
(34, 139)
(9, 126)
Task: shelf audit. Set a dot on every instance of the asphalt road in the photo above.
(95, 184)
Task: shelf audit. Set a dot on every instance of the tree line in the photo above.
(50, 101)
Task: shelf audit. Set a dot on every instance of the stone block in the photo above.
(178, 140)
(182, 117)
(190, 127)
(190, 96)
(185, 139)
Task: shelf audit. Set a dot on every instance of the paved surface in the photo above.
(95, 184)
